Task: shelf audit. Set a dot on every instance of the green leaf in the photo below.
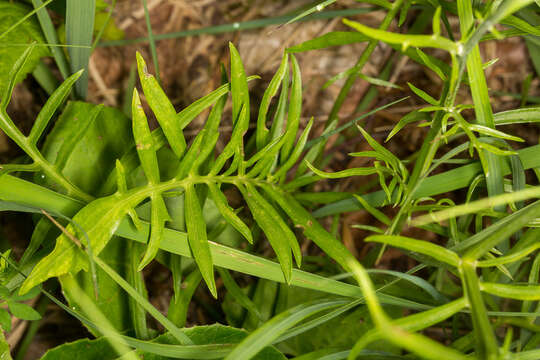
(272, 216)
(262, 131)
(53, 103)
(239, 87)
(14, 43)
(228, 213)
(91, 159)
(405, 40)
(5, 321)
(13, 73)
(493, 132)
(79, 31)
(76, 136)
(233, 146)
(179, 306)
(512, 257)
(113, 304)
(378, 82)
(518, 292)
(342, 173)
(483, 331)
(23, 311)
(217, 334)
(236, 292)
(517, 116)
(267, 218)
(295, 109)
(198, 106)
(198, 239)
(99, 219)
(135, 278)
(386, 155)
(83, 349)
(427, 60)
(334, 38)
(144, 142)
(143, 302)
(297, 151)
(162, 108)
(422, 94)
(271, 330)
(319, 7)
(164, 346)
(423, 247)
(176, 242)
(329, 244)
(159, 217)
(5, 353)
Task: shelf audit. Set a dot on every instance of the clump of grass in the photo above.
(151, 192)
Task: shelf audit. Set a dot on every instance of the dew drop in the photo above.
(320, 7)
(236, 25)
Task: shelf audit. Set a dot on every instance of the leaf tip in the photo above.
(141, 66)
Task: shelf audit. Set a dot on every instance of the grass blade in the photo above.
(272, 329)
(79, 30)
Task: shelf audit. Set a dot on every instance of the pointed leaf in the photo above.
(405, 40)
(212, 133)
(267, 219)
(143, 141)
(295, 109)
(423, 95)
(198, 106)
(99, 219)
(53, 103)
(227, 212)
(342, 173)
(334, 38)
(236, 292)
(493, 132)
(17, 28)
(262, 131)
(390, 158)
(198, 238)
(239, 87)
(5, 321)
(275, 327)
(159, 217)
(162, 108)
(191, 156)
(232, 146)
(420, 246)
(297, 151)
(23, 311)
